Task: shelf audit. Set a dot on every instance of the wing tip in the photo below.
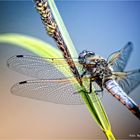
(129, 44)
(128, 47)
(9, 61)
(15, 87)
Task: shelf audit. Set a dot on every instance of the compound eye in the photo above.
(91, 54)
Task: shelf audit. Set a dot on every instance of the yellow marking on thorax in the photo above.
(96, 57)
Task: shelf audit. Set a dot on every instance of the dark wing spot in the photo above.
(19, 56)
(23, 82)
(129, 43)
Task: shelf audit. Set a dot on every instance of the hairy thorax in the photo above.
(98, 68)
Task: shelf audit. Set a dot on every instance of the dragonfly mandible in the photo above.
(54, 86)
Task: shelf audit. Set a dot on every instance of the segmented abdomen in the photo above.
(113, 88)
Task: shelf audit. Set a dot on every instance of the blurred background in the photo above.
(99, 26)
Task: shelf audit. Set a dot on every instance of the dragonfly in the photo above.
(53, 85)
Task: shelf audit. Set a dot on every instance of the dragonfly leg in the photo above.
(99, 82)
(99, 91)
(90, 86)
(83, 74)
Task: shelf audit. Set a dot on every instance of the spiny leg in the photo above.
(99, 82)
(86, 91)
(90, 86)
(83, 74)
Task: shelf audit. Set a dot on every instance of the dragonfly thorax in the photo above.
(94, 65)
(102, 69)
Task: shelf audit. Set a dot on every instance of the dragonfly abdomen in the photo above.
(113, 88)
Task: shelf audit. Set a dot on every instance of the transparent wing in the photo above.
(56, 91)
(130, 81)
(61, 91)
(120, 63)
(39, 67)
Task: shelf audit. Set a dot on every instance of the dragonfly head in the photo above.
(84, 55)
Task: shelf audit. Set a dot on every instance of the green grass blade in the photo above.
(62, 28)
(96, 109)
(35, 45)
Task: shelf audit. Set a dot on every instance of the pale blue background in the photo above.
(100, 26)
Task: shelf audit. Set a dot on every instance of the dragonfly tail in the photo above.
(136, 111)
(120, 95)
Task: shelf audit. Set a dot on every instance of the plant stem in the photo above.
(55, 25)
